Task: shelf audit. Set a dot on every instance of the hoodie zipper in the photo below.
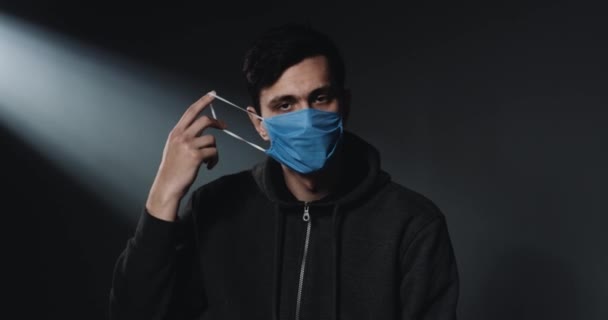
(306, 218)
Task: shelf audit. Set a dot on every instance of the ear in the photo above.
(345, 105)
(257, 123)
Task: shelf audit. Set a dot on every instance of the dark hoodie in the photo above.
(376, 250)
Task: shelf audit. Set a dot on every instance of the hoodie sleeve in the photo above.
(429, 285)
(157, 276)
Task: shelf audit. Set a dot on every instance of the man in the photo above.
(316, 231)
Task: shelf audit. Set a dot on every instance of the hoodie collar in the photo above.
(361, 167)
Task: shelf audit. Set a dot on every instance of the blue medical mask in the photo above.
(303, 140)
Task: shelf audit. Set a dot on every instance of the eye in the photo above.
(322, 98)
(283, 106)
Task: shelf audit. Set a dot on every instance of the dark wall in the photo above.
(497, 112)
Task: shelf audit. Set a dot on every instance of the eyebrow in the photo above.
(325, 87)
(280, 98)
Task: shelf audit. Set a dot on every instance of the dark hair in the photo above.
(282, 47)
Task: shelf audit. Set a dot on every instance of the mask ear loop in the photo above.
(230, 133)
(234, 105)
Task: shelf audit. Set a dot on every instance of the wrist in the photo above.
(163, 206)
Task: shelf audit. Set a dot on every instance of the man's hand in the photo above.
(185, 150)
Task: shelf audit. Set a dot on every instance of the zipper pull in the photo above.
(306, 215)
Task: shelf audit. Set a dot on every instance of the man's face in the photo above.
(303, 85)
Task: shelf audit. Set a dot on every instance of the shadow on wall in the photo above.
(63, 240)
(526, 284)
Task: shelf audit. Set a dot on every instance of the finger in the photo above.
(208, 155)
(214, 160)
(190, 114)
(205, 141)
(203, 123)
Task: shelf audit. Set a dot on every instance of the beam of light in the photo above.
(101, 119)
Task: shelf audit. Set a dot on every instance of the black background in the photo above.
(496, 111)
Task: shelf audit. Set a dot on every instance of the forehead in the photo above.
(299, 79)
